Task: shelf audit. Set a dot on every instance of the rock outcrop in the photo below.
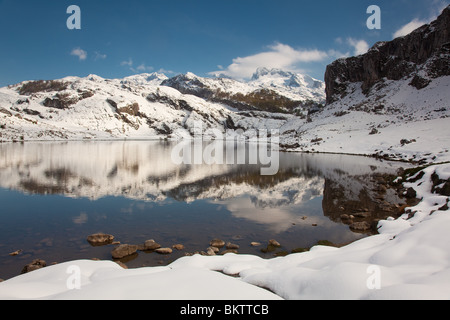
(421, 55)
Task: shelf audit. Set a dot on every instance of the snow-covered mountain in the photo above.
(272, 90)
(391, 102)
(145, 106)
(295, 86)
(97, 108)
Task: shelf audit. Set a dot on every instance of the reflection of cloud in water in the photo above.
(276, 219)
(81, 219)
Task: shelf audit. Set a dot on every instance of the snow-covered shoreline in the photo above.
(408, 259)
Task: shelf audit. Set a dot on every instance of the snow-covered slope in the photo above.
(95, 108)
(397, 121)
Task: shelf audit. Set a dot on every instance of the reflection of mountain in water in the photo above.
(144, 171)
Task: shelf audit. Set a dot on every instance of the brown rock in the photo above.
(164, 250)
(217, 243)
(151, 245)
(274, 243)
(100, 239)
(124, 250)
(178, 246)
(15, 253)
(34, 265)
(232, 246)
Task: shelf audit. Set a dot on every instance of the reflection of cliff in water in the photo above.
(363, 199)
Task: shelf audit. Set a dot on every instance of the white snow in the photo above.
(408, 259)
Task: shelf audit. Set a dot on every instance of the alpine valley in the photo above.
(392, 102)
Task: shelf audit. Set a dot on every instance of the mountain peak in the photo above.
(145, 78)
(263, 71)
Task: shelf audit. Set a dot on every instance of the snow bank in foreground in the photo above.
(409, 259)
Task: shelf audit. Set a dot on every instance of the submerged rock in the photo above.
(232, 246)
(360, 226)
(164, 250)
(124, 250)
(178, 246)
(217, 243)
(100, 239)
(274, 243)
(151, 245)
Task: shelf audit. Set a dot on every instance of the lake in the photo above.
(54, 194)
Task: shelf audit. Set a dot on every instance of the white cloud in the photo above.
(408, 28)
(435, 9)
(99, 55)
(165, 71)
(143, 68)
(128, 62)
(80, 53)
(278, 56)
(360, 46)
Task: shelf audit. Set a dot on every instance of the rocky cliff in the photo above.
(421, 56)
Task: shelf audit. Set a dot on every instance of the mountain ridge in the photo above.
(422, 55)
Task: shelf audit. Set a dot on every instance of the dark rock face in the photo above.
(423, 54)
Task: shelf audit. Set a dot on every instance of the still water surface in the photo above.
(53, 195)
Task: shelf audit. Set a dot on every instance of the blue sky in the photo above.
(232, 37)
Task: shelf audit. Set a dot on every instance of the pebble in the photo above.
(274, 243)
(232, 246)
(15, 253)
(151, 245)
(210, 251)
(164, 250)
(178, 246)
(217, 243)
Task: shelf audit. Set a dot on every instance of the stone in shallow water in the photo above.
(100, 239)
(124, 250)
(274, 243)
(36, 264)
(360, 226)
(151, 245)
(217, 243)
(164, 250)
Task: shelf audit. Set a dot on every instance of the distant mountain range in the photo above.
(149, 105)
